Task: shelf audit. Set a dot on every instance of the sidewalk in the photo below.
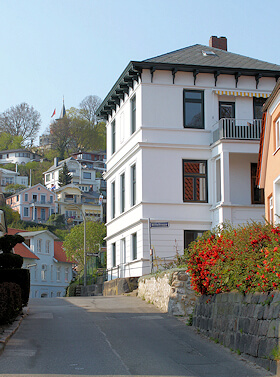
(6, 331)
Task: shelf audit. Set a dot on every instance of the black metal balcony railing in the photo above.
(238, 129)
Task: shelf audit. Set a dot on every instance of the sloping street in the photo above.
(113, 336)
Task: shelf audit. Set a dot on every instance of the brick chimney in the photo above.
(220, 42)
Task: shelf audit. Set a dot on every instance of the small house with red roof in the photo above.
(43, 255)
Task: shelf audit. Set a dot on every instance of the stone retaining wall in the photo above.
(170, 291)
(249, 325)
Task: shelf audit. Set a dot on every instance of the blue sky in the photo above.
(74, 48)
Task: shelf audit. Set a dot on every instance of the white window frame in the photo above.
(39, 245)
(277, 133)
(44, 272)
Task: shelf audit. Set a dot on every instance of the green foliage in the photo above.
(74, 241)
(10, 261)
(13, 188)
(11, 215)
(71, 289)
(61, 233)
(57, 220)
(275, 353)
(8, 141)
(20, 276)
(65, 177)
(10, 301)
(246, 258)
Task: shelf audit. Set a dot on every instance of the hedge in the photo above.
(246, 259)
(19, 276)
(10, 302)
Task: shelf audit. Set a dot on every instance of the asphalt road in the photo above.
(113, 336)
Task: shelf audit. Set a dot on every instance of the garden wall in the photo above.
(249, 325)
(170, 291)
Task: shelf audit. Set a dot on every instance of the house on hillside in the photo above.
(72, 201)
(94, 159)
(50, 270)
(269, 156)
(9, 177)
(35, 203)
(183, 132)
(82, 176)
(18, 156)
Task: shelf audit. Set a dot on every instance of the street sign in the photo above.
(159, 224)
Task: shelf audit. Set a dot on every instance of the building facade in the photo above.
(18, 156)
(183, 133)
(9, 177)
(50, 271)
(82, 176)
(73, 204)
(35, 203)
(269, 156)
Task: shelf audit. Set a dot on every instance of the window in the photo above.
(113, 136)
(258, 105)
(123, 250)
(133, 114)
(87, 175)
(134, 245)
(195, 181)
(58, 269)
(51, 272)
(51, 199)
(66, 274)
(26, 197)
(39, 245)
(43, 199)
(26, 212)
(113, 255)
(34, 198)
(113, 188)
(277, 133)
(17, 198)
(35, 272)
(257, 195)
(43, 214)
(133, 185)
(122, 189)
(226, 110)
(48, 244)
(190, 236)
(193, 109)
(48, 177)
(218, 181)
(44, 272)
(270, 209)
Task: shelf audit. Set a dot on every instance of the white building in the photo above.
(18, 156)
(50, 271)
(9, 177)
(82, 176)
(183, 135)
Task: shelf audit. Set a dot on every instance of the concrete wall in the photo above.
(249, 325)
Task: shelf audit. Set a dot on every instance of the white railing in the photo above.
(239, 129)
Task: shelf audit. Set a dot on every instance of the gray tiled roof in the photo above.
(192, 55)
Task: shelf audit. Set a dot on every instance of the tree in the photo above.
(60, 131)
(64, 176)
(13, 188)
(8, 141)
(21, 120)
(88, 108)
(74, 241)
(11, 215)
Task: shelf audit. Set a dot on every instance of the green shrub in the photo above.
(246, 258)
(10, 301)
(9, 260)
(19, 276)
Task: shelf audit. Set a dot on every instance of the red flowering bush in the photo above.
(246, 259)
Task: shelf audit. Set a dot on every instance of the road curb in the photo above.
(9, 331)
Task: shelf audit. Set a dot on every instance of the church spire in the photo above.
(63, 111)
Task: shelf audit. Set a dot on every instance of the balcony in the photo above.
(41, 203)
(237, 129)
